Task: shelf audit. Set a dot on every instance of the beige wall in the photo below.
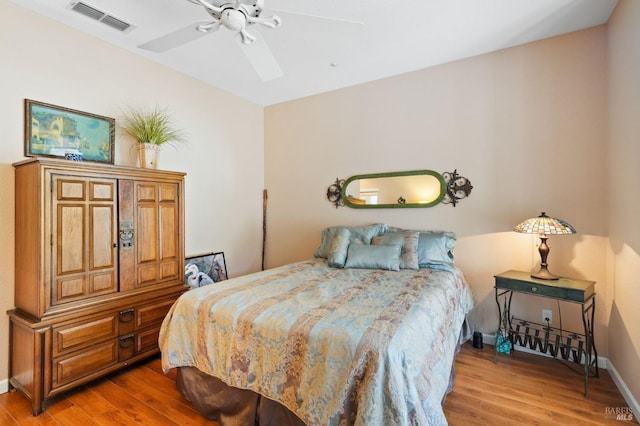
(43, 60)
(527, 125)
(552, 125)
(624, 208)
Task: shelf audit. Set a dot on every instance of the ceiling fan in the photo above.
(237, 16)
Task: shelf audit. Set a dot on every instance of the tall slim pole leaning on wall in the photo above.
(264, 224)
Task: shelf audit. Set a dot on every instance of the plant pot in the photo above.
(148, 155)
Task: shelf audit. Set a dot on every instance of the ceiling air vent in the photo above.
(100, 16)
(115, 23)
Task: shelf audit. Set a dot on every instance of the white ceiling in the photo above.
(319, 55)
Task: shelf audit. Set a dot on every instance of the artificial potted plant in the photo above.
(151, 129)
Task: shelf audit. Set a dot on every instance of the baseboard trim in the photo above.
(603, 362)
(624, 390)
(4, 386)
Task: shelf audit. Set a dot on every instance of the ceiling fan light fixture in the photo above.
(233, 19)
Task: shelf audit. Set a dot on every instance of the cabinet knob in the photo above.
(534, 289)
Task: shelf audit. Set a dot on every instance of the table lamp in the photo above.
(544, 225)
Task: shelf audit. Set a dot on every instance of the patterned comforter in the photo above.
(334, 346)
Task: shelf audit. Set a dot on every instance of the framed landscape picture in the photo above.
(203, 269)
(55, 131)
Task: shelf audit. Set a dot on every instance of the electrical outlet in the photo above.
(547, 316)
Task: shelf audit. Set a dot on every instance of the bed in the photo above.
(312, 342)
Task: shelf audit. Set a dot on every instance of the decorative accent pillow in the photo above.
(408, 240)
(373, 257)
(337, 255)
(435, 248)
(361, 234)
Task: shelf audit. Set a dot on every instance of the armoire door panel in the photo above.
(69, 289)
(102, 239)
(102, 283)
(70, 246)
(71, 189)
(148, 274)
(84, 226)
(168, 269)
(157, 232)
(168, 193)
(101, 191)
(147, 233)
(168, 227)
(146, 193)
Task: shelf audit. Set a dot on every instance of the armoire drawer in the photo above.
(84, 333)
(82, 363)
(134, 344)
(152, 313)
(147, 340)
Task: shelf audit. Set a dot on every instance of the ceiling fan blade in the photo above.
(346, 27)
(260, 57)
(178, 37)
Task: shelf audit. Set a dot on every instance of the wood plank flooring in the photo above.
(527, 389)
(523, 388)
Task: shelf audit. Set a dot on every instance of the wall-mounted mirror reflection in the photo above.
(419, 188)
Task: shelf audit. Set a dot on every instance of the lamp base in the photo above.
(544, 274)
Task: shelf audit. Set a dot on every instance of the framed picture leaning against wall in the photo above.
(203, 269)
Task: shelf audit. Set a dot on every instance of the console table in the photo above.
(568, 345)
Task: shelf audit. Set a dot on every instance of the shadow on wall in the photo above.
(481, 257)
(625, 353)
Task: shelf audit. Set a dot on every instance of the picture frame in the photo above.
(203, 269)
(55, 131)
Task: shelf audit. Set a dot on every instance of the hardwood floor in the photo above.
(140, 395)
(527, 389)
(524, 388)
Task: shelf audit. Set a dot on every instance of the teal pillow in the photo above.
(408, 240)
(360, 234)
(435, 249)
(337, 254)
(373, 257)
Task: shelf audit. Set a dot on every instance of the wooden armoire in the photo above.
(99, 260)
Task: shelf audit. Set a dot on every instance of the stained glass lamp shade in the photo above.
(544, 225)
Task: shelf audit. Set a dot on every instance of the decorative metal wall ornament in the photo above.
(458, 187)
(334, 193)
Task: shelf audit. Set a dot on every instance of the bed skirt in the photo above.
(231, 406)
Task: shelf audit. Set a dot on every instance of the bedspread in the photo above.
(335, 346)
